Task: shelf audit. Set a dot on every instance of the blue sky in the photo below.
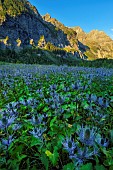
(88, 14)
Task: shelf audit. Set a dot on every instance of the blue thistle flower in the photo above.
(6, 122)
(103, 142)
(66, 89)
(93, 97)
(87, 136)
(74, 86)
(48, 101)
(105, 103)
(100, 101)
(69, 145)
(82, 155)
(38, 119)
(55, 105)
(8, 141)
(16, 126)
(11, 120)
(53, 87)
(37, 132)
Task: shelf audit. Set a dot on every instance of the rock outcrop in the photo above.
(27, 25)
(100, 45)
(75, 45)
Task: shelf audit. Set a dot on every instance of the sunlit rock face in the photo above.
(25, 23)
(100, 44)
(21, 26)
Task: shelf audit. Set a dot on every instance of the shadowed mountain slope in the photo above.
(22, 26)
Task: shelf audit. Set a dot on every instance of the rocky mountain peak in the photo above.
(100, 35)
(21, 25)
(78, 29)
(46, 17)
(20, 21)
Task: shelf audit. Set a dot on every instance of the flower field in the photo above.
(56, 118)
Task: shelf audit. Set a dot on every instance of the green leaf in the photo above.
(73, 106)
(13, 164)
(35, 141)
(69, 166)
(111, 98)
(48, 153)
(111, 135)
(111, 168)
(20, 157)
(100, 167)
(34, 168)
(79, 117)
(65, 107)
(108, 162)
(40, 106)
(87, 166)
(46, 109)
(52, 156)
(105, 152)
(45, 161)
(55, 157)
(85, 104)
(67, 115)
(52, 122)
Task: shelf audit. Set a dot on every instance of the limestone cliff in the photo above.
(75, 46)
(100, 45)
(24, 25)
(21, 26)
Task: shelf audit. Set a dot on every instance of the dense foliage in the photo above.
(50, 55)
(56, 117)
(12, 7)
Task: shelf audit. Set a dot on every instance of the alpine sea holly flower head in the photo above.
(39, 91)
(53, 93)
(11, 120)
(11, 105)
(48, 101)
(100, 116)
(85, 87)
(82, 155)
(8, 141)
(5, 122)
(87, 135)
(66, 89)
(34, 120)
(74, 86)
(53, 87)
(105, 103)
(61, 99)
(91, 97)
(103, 142)
(4, 93)
(61, 110)
(100, 101)
(16, 126)
(96, 150)
(29, 102)
(11, 109)
(37, 119)
(69, 145)
(38, 132)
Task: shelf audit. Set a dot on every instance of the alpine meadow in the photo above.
(56, 93)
